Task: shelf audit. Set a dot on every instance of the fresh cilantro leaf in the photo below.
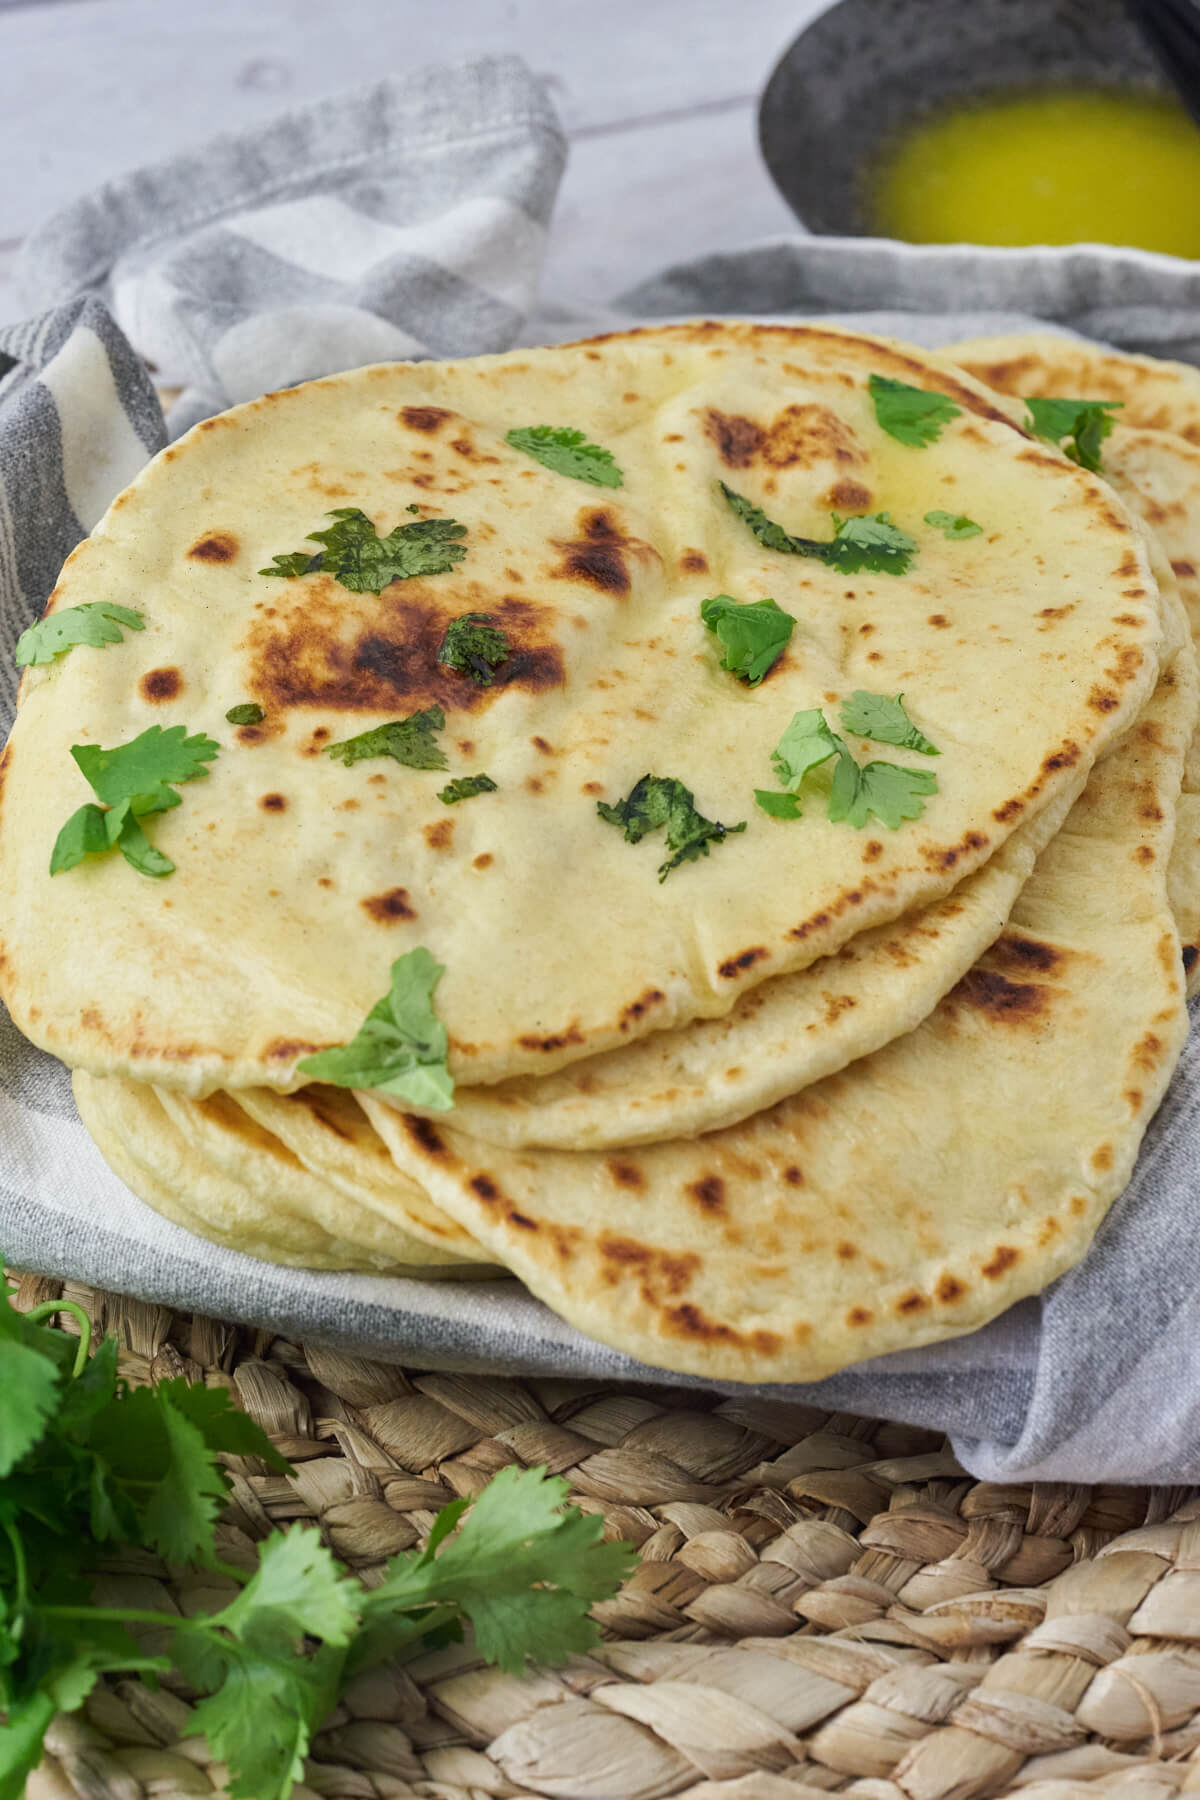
(132, 781)
(142, 769)
(522, 1570)
(805, 744)
(262, 1718)
(356, 556)
(182, 1512)
(911, 415)
(297, 1590)
(86, 833)
(465, 787)
(104, 1464)
(220, 1423)
(21, 1740)
(884, 789)
(880, 789)
(248, 713)
(567, 452)
(269, 1697)
(953, 525)
(474, 646)
(409, 741)
(780, 806)
(28, 1399)
(658, 800)
(755, 634)
(1085, 422)
(1091, 428)
(401, 1046)
(869, 541)
(95, 623)
(884, 721)
(147, 1440)
(138, 851)
(296, 562)
(91, 1390)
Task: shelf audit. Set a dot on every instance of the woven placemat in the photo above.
(824, 1603)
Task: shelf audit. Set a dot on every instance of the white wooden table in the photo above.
(658, 97)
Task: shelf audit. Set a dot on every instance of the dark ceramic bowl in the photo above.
(864, 71)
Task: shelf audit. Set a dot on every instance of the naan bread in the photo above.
(299, 880)
(1160, 395)
(919, 1192)
(1152, 459)
(781, 1036)
(209, 1166)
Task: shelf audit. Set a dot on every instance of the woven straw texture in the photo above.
(824, 1603)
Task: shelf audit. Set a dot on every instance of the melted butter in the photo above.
(1058, 167)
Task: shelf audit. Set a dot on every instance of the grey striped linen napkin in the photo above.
(410, 222)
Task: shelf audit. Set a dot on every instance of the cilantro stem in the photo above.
(47, 1310)
(116, 1615)
(230, 1569)
(18, 1552)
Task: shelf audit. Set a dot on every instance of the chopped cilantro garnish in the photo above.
(911, 415)
(97, 1472)
(882, 789)
(805, 744)
(953, 525)
(755, 634)
(410, 741)
(95, 623)
(474, 646)
(780, 806)
(296, 562)
(1085, 422)
(658, 800)
(465, 787)
(884, 721)
(401, 1046)
(131, 782)
(869, 541)
(567, 452)
(362, 561)
(247, 714)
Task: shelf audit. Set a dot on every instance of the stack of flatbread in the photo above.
(711, 827)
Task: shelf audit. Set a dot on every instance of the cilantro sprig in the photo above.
(880, 790)
(1084, 423)
(911, 415)
(474, 646)
(401, 1046)
(754, 634)
(567, 452)
(859, 791)
(866, 541)
(658, 800)
(884, 720)
(411, 741)
(465, 787)
(953, 525)
(131, 782)
(357, 557)
(92, 1467)
(95, 623)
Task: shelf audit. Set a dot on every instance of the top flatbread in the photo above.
(299, 880)
(1153, 459)
(1160, 396)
